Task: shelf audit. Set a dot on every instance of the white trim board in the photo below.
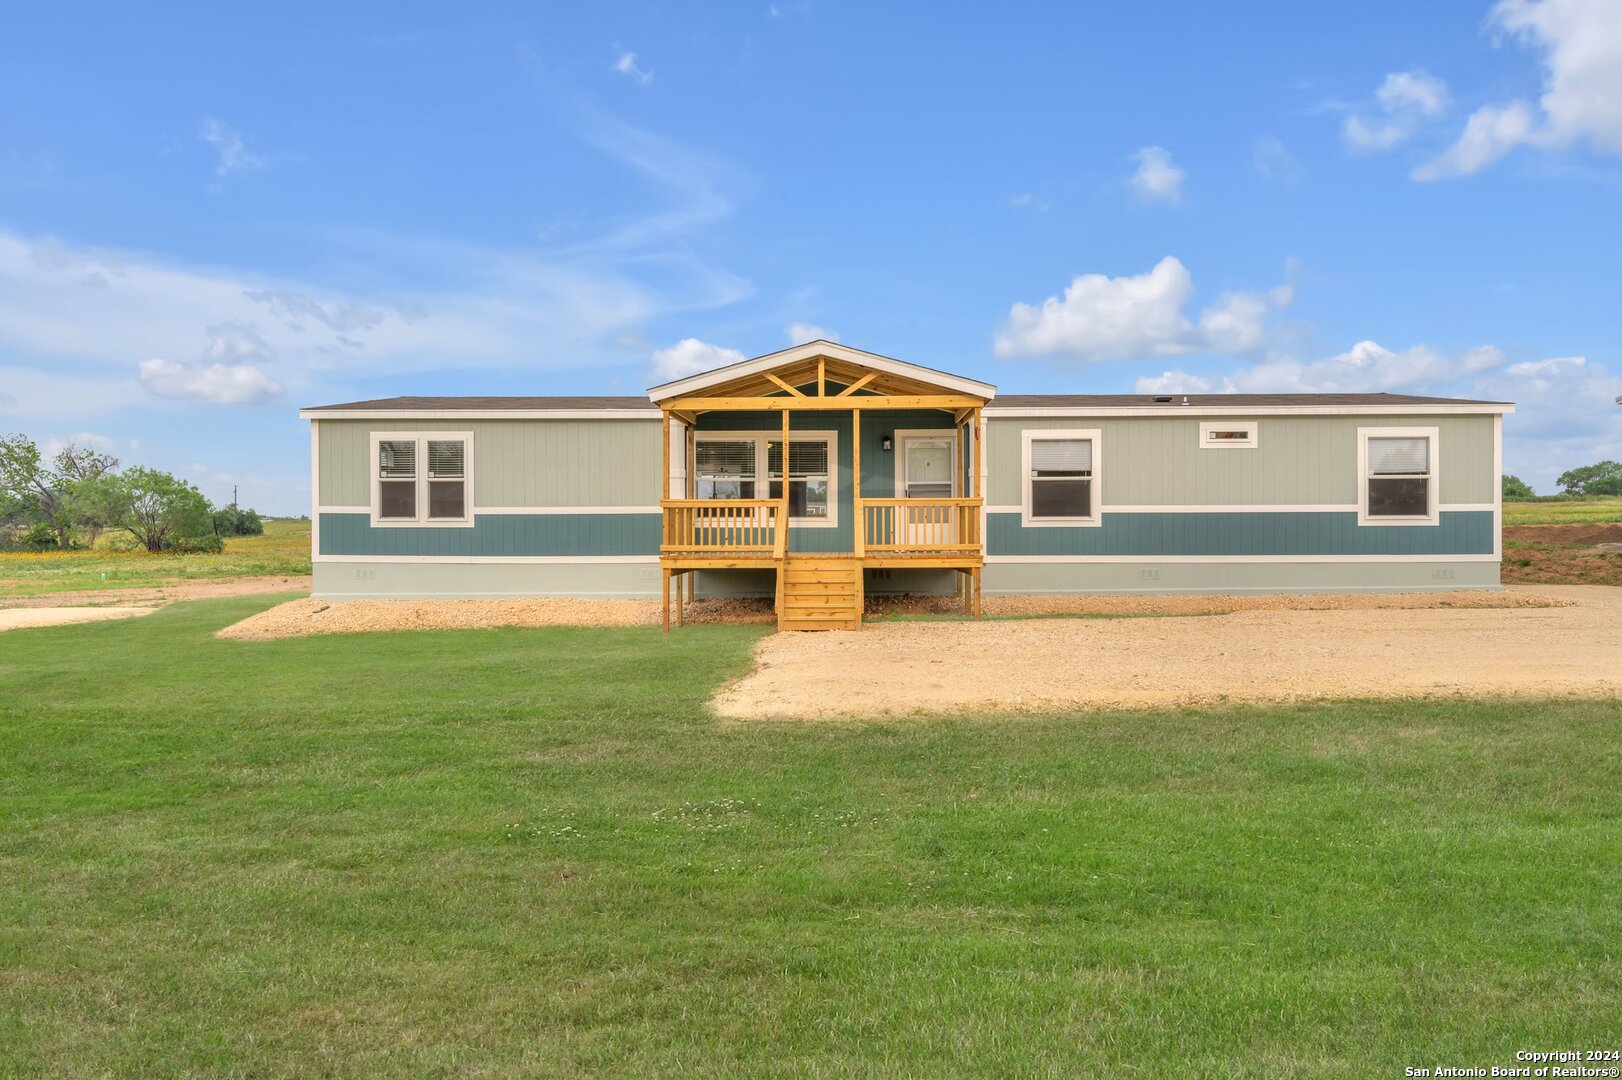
(538, 510)
(994, 412)
(575, 560)
(1174, 559)
(1250, 508)
(479, 414)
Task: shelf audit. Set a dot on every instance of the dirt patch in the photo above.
(29, 618)
(1558, 640)
(159, 595)
(300, 617)
(1602, 533)
(1563, 554)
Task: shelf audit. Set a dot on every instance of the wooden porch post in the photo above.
(782, 519)
(860, 515)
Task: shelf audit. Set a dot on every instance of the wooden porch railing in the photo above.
(893, 527)
(723, 527)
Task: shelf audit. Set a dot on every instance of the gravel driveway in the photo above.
(1257, 655)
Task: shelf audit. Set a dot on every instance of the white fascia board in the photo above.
(994, 412)
(479, 414)
(694, 383)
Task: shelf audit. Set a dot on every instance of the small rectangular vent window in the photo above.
(1219, 435)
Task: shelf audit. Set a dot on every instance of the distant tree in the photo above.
(75, 462)
(25, 479)
(1603, 478)
(1516, 488)
(232, 520)
(88, 488)
(157, 509)
(70, 492)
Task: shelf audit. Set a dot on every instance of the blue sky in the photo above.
(210, 217)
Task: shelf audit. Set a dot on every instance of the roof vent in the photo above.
(1185, 399)
(1166, 400)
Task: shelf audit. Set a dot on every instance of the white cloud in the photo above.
(214, 384)
(1405, 99)
(1491, 132)
(1416, 90)
(84, 439)
(1173, 382)
(1157, 179)
(1361, 135)
(1367, 367)
(1579, 43)
(626, 65)
(233, 154)
(798, 333)
(1111, 318)
(690, 356)
(1025, 200)
(1273, 160)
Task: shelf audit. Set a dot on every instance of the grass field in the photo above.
(1563, 511)
(532, 851)
(283, 550)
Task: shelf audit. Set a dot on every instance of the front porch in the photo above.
(785, 427)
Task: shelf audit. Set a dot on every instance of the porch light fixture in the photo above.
(887, 444)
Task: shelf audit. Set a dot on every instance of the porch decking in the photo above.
(821, 590)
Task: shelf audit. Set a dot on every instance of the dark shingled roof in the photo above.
(1241, 401)
(429, 404)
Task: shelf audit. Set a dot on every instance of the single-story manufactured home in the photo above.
(899, 478)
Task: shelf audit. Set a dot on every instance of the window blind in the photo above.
(1408, 456)
(807, 458)
(445, 459)
(397, 459)
(1061, 456)
(725, 458)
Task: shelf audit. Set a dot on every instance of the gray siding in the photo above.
(456, 581)
(1185, 577)
(1310, 460)
(515, 462)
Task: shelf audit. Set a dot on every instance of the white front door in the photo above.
(926, 473)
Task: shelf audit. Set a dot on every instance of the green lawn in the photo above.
(283, 550)
(1561, 510)
(532, 852)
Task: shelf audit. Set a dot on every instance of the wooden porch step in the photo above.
(819, 593)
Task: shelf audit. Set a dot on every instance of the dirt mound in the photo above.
(1586, 535)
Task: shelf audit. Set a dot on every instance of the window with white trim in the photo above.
(807, 476)
(1398, 481)
(749, 465)
(724, 468)
(1061, 478)
(1228, 435)
(421, 478)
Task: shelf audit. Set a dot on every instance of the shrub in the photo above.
(206, 544)
(233, 521)
(39, 535)
(1516, 488)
